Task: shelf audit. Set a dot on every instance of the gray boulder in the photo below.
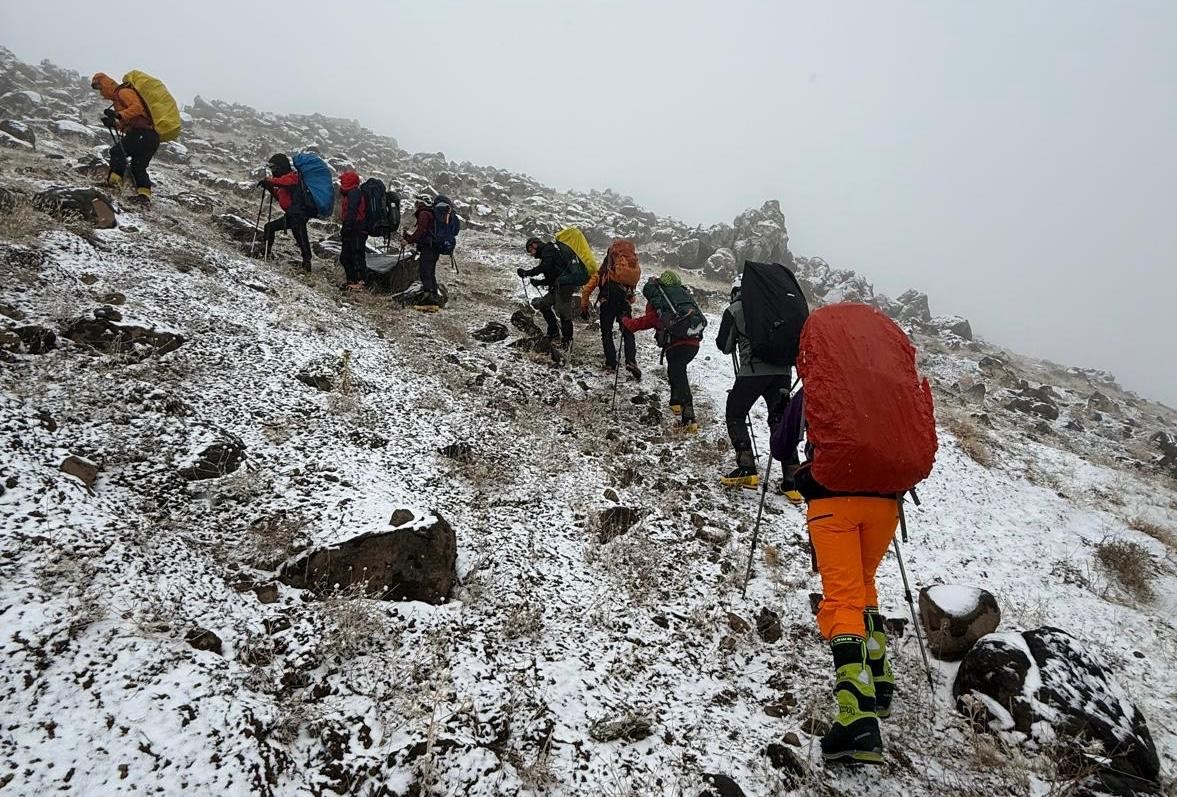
(90, 204)
(913, 308)
(721, 265)
(1044, 690)
(955, 617)
(415, 561)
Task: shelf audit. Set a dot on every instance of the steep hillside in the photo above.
(179, 420)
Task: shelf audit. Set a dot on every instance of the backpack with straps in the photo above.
(678, 312)
(378, 221)
(868, 413)
(573, 271)
(317, 184)
(621, 264)
(446, 225)
(774, 312)
(161, 105)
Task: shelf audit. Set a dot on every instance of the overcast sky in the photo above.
(1015, 160)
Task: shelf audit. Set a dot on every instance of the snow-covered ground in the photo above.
(551, 635)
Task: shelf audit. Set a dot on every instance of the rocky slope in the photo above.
(179, 421)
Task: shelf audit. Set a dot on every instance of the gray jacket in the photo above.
(732, 338)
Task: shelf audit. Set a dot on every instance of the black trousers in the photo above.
(140, 146)
(353, 256)
(613, 312)
(677, 358)
(741, 398)
(427, 268)
(298, 228)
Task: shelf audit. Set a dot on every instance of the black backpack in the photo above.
(377, 220)
(774, 312)
(446, 225)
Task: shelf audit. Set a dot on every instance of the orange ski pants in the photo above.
(850, 535)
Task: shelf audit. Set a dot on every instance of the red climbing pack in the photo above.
(868, 412)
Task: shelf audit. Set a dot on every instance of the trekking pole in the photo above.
(526, 294)
(907, 594)
(756, 530)
(616, 374)
(253, 241)
(454, 263)
(269, 216)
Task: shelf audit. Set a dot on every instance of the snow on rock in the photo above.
(955, 617)
(73, 129)
(1044, 689)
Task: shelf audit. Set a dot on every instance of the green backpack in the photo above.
(574, 271)
(678, 312)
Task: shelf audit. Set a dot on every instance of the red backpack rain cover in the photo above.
(869, 414)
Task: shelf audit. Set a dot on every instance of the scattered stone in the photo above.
(203, 639)
(617, 520)
(19, 130)
(276, 625)
(815, 599)
(611, 495)
(416, 295)
(114, 297)
(955, 617)
(738, 624)
(29, 339)
(631, 728)
(1051, 690)
(10, 311)
(721, 786)
(409, 563)
(322, 372)
(215, 460)
(107, 314)
(523, 320)
(400, 517)
(777, 709)
(792, 739)
(493, 332)
(713, 535)
(768, 625)
(1042, 409)
(82, 469)
(459, 452)
(266, 593)
(110, 337)
(89, 204)
(786, 759)
(815, 726)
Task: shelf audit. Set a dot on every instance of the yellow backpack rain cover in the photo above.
(575, 240)
(165, 114)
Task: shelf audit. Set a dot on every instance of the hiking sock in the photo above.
(854, 735)
(880, 663)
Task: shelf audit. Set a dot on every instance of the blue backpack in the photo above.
(446, 225)
(316, 181)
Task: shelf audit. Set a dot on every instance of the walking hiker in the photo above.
(422, 238)
(138, 139)
(870, 436)
(755, 379)
(615, 282)
(354, 235)
(561, 274)
(285, 185)
(678, 323)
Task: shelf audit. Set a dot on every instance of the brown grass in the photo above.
(1130, 563)
(972, 438)
(1162, 534)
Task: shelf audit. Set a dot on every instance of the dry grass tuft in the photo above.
(972, 438)
(1130, 563)
(1162, 534)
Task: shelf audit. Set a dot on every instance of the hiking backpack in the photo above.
(868, 414)
(573, 271)
(574, 238)
(678, 313)
(317, 184)
(621, 264)
(161, 105)
(378, 221)
(774, 312)
(446, 225)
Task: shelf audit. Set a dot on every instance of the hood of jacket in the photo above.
(105, 85)
(349, 181)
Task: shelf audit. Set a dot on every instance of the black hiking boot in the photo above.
(634, 372)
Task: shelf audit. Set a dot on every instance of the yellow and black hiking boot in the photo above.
(115, 183)
(425, 308)
(880, 663)
(676, 409)
(854, 736)
(142, 196)
(741, 477)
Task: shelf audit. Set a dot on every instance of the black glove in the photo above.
(538, 283)
(520, 272)
(108, 121)
(110, 112)
(263, 183)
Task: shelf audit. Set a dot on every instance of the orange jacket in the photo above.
(128, 105)
(597, 281)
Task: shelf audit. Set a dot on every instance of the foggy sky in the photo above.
(1015, 160)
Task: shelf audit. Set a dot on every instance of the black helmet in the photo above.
(280, 164)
